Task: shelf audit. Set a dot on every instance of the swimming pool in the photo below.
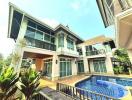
(110, 86)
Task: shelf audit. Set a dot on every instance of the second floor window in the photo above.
(70, 43)
(61, 40)
(39, 35)
(79, 51)
(30, 32)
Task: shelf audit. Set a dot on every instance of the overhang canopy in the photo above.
(124, 29)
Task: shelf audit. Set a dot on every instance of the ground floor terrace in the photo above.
(55, 67)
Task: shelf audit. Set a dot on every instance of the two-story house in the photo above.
(57, 52)
(96, 54)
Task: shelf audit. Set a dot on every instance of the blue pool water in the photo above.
(110, 86)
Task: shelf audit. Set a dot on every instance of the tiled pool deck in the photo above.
(69, 81)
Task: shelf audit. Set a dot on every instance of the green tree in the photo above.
(7, 61)
(122, 55)
(1, 61)
(1, 56)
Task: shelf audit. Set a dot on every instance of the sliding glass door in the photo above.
(80, 66)
(65, 67)
(48, 67)
(99, 65)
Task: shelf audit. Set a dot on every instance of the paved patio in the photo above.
(68, 80)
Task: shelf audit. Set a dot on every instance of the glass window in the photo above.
(30, 32)
(61, 40)
(52, 40)
(47, 67)
(80, 66)
(79, 50)
(47, 37)
(65, 67)
(70, 44)
(99, 66)
(32, 24)
(39, 35)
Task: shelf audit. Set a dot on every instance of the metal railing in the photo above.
(81, 94)
(40, 44)
(95, 52)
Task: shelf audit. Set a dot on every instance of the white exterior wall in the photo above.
(106, 55)
(64, 50)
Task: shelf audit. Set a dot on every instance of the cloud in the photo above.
(81, 6)
(51, 22)
(75, 5)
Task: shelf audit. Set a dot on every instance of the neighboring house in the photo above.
(119, 13)
(58, 52)
(96, 54)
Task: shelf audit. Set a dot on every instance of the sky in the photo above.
(82, 17)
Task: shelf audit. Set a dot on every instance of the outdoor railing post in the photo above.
(83, 94)
(57, 86)
(100, 97)
(73, 92)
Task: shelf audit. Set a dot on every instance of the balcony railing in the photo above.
(95, 52)
(81, 94)
(40, 44)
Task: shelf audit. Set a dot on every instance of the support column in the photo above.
(109, 65)
(55, 68)
(74, 67)
(86, 69)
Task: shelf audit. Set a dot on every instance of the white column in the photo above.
(74, 67)
(109, 65)
(91, 66)
(65, 41)
(55, 67)
(83, 50)
(86, 66)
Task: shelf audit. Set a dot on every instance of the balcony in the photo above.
(40, 44)
(95, 52)
(67, 52)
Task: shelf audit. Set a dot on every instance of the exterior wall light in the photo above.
(56, 61)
